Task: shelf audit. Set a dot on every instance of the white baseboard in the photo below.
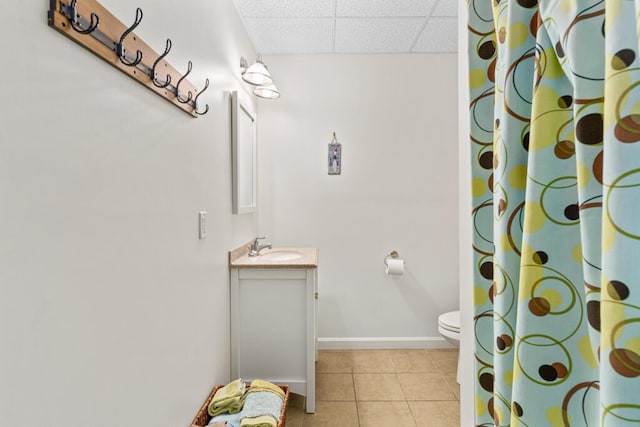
(382, 343)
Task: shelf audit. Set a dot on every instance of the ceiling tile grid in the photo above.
(439, 35)
(274, 36)
(446, 8)
(286, 8)
(375, 35)
(383, 8)
(350, 26)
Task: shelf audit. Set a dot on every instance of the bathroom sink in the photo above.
(280, 256)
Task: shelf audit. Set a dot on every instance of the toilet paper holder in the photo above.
(394, 265)
(393, 255)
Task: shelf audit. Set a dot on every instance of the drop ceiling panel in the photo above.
(379, 8)
(372, 35)
(440, 35)
(291, 35)
(446, 8)
(285, 8)
(351, 26)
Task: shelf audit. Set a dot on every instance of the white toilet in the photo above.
(449, 328)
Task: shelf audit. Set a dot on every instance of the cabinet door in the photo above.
(270, 325)
(272, 328)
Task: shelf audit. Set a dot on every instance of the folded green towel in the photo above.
(261, 421)
(235, 388)
(228, 398)
(231, 406)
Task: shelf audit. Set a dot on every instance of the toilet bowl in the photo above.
(449, 327)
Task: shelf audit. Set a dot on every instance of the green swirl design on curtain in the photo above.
(555, 122)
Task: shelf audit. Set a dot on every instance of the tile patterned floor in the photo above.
(382, 388)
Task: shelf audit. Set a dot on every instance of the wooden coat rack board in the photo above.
(92, 26)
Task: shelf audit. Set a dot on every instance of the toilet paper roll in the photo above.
(395, 266)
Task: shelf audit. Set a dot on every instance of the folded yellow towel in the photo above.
(233, 389)
(228, 398)
(231, 406)
(262, 421)
(262, 385)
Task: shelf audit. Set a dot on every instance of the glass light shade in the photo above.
(257, 74)
(267, 91)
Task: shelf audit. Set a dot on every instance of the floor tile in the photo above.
(335, 387)
(436, 414)
(442, 354)
(377, 387)
(295, 410)
(446, 360)
(385, 414)
(295, 417)
(452, 382)
(412, 361)
(447, 366)
(425, 387)
(296, 401)
(382, 388)
(336, 362)
(371, 361)
(333, 414)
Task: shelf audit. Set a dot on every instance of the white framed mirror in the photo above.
(243, 153)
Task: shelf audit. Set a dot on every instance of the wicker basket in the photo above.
(202, 418)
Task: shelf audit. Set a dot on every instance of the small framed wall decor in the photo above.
(335, 156)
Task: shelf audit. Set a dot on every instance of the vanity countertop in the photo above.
(239, 258)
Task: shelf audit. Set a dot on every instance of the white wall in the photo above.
(112, 312)
(395, 116)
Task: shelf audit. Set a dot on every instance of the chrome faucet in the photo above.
(255, 248)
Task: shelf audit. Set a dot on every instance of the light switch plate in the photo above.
(203, 225)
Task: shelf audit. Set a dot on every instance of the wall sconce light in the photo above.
(258, 75)
(267, 91)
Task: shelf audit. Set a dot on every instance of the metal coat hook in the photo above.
(190, 95)
(167, 81)
(73, 19)
(195, 101)
(120, 45)
(96, 28)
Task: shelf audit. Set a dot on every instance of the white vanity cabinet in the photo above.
(273, 323)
